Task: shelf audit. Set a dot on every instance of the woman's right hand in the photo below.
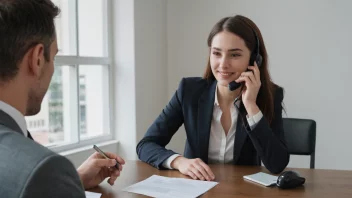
(194, 168)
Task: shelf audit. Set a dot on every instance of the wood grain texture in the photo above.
(319, 183)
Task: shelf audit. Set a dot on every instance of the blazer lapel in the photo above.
(205, 113)
(29, 135)
(241, 133)
(8, 121)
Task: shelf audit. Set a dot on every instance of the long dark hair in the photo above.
(245, 28)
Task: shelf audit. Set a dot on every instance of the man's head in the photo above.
(27, 47)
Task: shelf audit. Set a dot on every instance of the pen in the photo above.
(104, 155)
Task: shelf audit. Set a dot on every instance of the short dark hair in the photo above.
(24, 24)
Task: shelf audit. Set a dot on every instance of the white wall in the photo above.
(140, 69)
(151, 61)
(124, 73)
(308, 44)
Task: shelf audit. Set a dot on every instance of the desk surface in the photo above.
(319, 183)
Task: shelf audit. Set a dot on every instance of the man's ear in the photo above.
(36, 59)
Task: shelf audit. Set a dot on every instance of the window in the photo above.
(75, 110)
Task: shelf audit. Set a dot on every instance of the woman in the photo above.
(242, 126)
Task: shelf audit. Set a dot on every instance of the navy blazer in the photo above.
(192, 105)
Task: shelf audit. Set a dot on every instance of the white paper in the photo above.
(167, 187)
(92, 195)
(262, 178)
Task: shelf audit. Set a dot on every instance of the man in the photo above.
(27, 49)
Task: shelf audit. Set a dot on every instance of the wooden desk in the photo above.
(319, 183)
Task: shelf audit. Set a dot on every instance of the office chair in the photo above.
(300, 135)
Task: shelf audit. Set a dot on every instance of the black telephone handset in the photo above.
(258, 59)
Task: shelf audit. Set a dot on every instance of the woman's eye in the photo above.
(235, 55)
(216, 53)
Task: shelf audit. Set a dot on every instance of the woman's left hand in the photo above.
(251, 89)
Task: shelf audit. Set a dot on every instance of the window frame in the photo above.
(78, 61)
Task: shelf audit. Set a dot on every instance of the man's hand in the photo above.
(96, 168)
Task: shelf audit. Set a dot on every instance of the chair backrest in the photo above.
(300, 135)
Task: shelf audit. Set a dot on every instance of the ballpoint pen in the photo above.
(104, 155)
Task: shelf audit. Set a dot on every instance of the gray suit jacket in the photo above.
(28, 169)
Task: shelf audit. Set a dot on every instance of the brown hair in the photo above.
(24, 24)
(246, 29)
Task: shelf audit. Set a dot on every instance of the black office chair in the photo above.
(300, 136)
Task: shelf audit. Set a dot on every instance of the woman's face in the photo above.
(229, 57)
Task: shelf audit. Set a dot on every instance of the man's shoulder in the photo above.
(23, 159)
(21, 154)
(15, 143)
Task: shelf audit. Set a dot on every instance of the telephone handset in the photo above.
(235, 85)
